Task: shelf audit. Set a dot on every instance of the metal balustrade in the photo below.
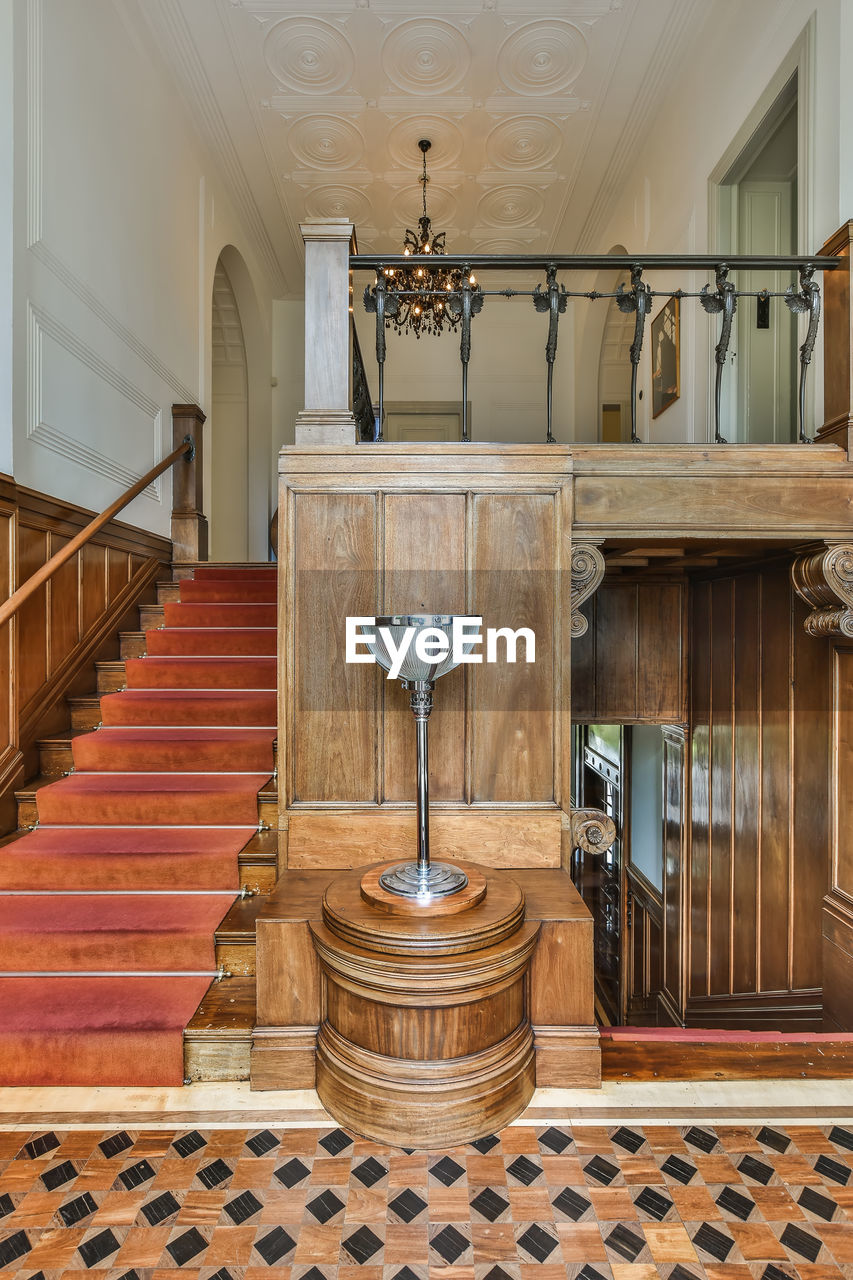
(718, 298)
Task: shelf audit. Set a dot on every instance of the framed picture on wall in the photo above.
(666, 356)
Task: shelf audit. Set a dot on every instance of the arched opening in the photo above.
(239, 460)
(229, 427)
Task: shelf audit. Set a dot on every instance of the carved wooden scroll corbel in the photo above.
(587, 573)
(592, 830)
(824, 579)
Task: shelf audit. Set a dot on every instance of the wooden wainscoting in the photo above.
(645, 955)
(481, 529)
(760, 830)
(629, 667)
(48, 647)
(838, 904)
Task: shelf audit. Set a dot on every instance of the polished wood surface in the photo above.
(559, 1001)
(759, 840)
(366, 532)
(743, 1059)
(48, 647)
(630, 666)
(347, 837)
(837, 916)
(673, 990)
(725, 492)
(645, 956)
(381, 899)
(425, 1038)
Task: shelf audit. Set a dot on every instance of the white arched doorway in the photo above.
(229, 426)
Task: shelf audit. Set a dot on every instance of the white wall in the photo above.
(120, 220)
(6, 221)
(727, 77)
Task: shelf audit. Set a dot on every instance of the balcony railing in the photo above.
(718, 297)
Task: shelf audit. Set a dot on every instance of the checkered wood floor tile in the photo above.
(621, 1203)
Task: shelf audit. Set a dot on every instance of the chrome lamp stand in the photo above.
(421, 879)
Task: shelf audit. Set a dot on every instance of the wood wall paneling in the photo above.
(334, 721)
(674, 823)
(47, 648)
(759, 802)
(424, 561)
(837, 929)
(629, 666)
(513, 723)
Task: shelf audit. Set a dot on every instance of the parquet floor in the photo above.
(626, 1202)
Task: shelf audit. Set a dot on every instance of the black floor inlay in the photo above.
(336, 1142)
(447, 1171)
(243, 1207)
(625, 1242)
(135, 1175)
(78, 1209)
(116, 1144)
(654, 1203)
(538, 1242)
(701, 1138)
(802, 1242)
(555, 1140)
(211, 1175)
(407, 1205)
(814, 1202)
(628, 1139)
(489, 1204)
(362, 1245)
(733, 1202)
(369, 1172)
(602, 1170)
(274, 1245)
(713, 1241)
(53, 1179)
(292, 1173)
(485, 1145)
(98, 1249)
(679, 1169)
(189, 1144)
(524, 1171)
(262, 1143)
(450, 1244)
(571, 1203)
(325, 1206)
(757, 1170)
(161, 1208)
(14, 1246)
(773, 1138)
(829, 1168)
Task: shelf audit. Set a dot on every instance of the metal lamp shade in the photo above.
(414, 670)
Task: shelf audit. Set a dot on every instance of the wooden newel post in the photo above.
(838, 344)
(327, 417)
(189, 524)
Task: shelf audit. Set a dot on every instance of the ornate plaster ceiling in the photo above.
(533, 107)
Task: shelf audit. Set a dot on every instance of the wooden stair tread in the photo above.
(263, 847)
(238, 925)
(228, 1009)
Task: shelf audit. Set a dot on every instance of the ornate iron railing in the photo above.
(717, 298)
(362, 401)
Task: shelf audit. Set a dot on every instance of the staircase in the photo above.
(119, 905)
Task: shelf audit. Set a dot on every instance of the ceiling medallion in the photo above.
(427, 297)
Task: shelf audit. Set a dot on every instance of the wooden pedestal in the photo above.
(425, 1031)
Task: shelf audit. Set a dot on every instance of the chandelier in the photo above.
(424, 294)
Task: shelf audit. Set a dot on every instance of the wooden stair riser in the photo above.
(236, 958)
(151, 616)
(85, 711)
(168, 591)
(55, 756)
(131, 644)
(218, 1040)
(110, 677)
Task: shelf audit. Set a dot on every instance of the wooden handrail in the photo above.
(186, 449)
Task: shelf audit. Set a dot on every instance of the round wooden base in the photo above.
(426, 1040)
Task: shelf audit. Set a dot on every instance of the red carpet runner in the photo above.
(112, 902)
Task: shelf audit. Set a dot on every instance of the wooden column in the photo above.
(189, 523)
(327, 417)
(838, 345)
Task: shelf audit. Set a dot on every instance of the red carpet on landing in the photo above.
(116, 895)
